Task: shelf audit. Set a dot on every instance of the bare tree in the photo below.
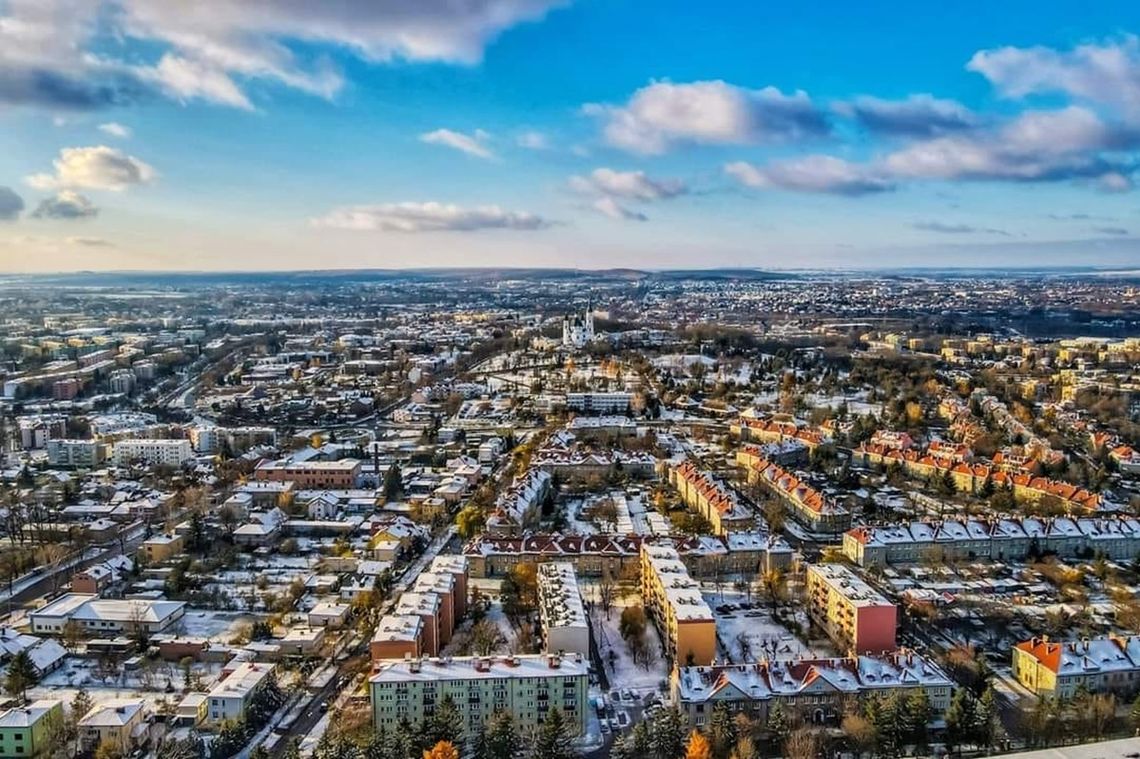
(803, 743)
(606, 590)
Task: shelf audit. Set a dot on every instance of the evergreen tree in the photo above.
(81, 703)
(919, 713)
(380, 746)
(196, 540)
(667, 735)
(445, 725)
(946, 484)
(393, 483)
(21, 675)
(722, 730)
(891, 726)
(552, 739)
(229, 741)
(406, 741)
(778, 727)
(986, 722)
(640, 739)
(959, 719)
(501, 740)
(622, 748)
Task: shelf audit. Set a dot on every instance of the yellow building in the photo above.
(1099, 665)
(159, 548)
(712, 500)
(856, 616)
(120, 723)
(673, 600)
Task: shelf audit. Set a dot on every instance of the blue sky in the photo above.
(399, 133)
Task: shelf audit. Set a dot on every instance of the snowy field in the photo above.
(158, 681)
(750, 634)
(857, 403)
(624, 673)
(218, 626)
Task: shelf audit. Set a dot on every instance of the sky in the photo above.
(289, 134)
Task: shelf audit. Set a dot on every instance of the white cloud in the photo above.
(11, 204)
(916, 116)
(186, 79)
(67, 204)
(662, 115)
(1104, 73)
(471, 144)
(634, 185)
(532, 140)
(611, 208)
(116, 129)
(50, 51)
(1035, 146)
(428, 217)
(815, 173)
(95, 168)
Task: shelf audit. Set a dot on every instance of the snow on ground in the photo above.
(218, 626)
(157, 682)
(636, 505)
(856, 403)
(753, 633)
(576, 523)
(623, 672)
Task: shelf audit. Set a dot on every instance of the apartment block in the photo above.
(305, 475)
(229, 699)
(456, 566)
(592, 555)
(818, 691)
(710, 498)
(443, 587)
(397, 636)
(27, 730)
(526, 687)
(1000, 539)
(856, 616)
(427, 607)
(674, 602)
(809, 507)
(1057, 669)
(599, 403)
(75, 454)
(165, 452)
(561, 613)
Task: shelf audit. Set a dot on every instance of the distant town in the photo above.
(541, 514)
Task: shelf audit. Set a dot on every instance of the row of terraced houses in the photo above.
(1116, 537)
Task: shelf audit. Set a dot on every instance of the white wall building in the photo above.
(229, 699)
(167, 452)
(560, 610)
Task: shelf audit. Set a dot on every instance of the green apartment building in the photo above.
(25, 730)
(525, 686)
